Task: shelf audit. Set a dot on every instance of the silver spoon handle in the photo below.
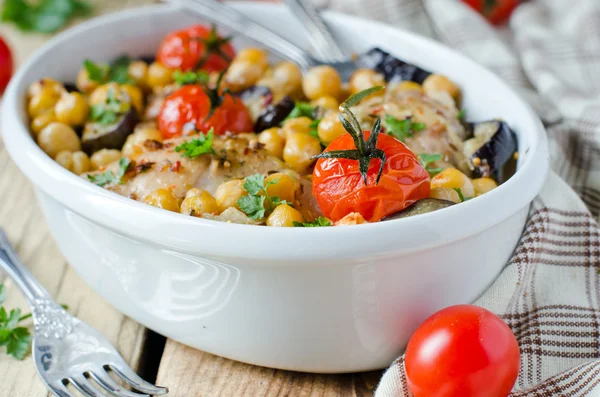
(320, 36)
(234, 20)
(9, 262)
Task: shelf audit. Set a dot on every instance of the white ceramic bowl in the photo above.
(309, 299)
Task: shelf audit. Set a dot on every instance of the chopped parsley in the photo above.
(402, 129)
(108, 177)
(302, 109)
(16, 339)
(461, 115)
(109, 111)
(183, 78)
(44, 16)
(319, 222)
(314, 128)
(117, 71)
(460, 195)
(258, 201)
(197, 146)
(426, 159)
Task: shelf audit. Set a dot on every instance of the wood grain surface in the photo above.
(187, 372)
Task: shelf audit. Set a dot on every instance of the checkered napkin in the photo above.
(549, 292)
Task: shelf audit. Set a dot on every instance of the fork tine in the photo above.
(84, 387)
(59, 389)
(138, 383)
(104, 380)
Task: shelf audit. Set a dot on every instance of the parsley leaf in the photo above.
(183, 78)
(18, 343)
(109, 112)
(402, 129)
(426, 159)
(97, 73)
(302, 109)
(258, 201)
(460, 195)
(314, 128)
(255, 184)
(108, 176)
(198, 146)
(117, 71)
(46, 16)
(461, 115)
(253, 206)
(319, 222)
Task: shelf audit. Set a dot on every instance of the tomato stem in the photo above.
(213, 44)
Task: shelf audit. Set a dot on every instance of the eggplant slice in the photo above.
(420, 207)
(274, 114)
(495, 145)
(392, 68)
(98, 136)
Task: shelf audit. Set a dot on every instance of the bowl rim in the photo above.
(171, 230)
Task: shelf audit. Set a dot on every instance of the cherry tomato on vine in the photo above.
(197, 47)
(495, 11)
(189, 108)
(462, 351)
(6, 65)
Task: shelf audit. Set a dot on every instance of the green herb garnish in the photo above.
(258, 201)
(460, 195)
(314, 128)
(117, 71)
(197, 146)
(302, 109)
(108, 177)
(15, 338)
(402, 129)
(96, 72)
(213, 44)
(461, 115)
(319, 222)
(184, 78)
(109, 111)
(45, 16)
(426, 159)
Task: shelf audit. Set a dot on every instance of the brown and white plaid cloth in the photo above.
(549, 292)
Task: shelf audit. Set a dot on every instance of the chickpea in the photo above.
(298, 124)
(100, 94)
(77, 162)
(104, 157)
(285, 79)
(330, 128)
(134, 142)
(437, 82)
(159, 75)
(136, 96)
(40, 85)
(299, 150)
(253, 55)
(327, 102)
(445, 193)
(45, 99)
(407, 86)
(228, 193)
(454, 179)
(363, 79)
(273, 141)
(285, 188)
(138, 71)
(72, 109)
(163, 198)
(284, 216)
(57, 137)
(243, 74)
(321, 81)
(483, 185)
(41, 121)
(65, 158)
(84, 83)
(127, 93)
(198, 202)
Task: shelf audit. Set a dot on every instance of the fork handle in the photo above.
(9, 262)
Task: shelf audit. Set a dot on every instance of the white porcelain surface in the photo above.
(308, 299)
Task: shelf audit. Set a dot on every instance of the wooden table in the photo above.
(187, 372)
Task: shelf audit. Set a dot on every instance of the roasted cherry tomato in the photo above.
(495, 11)
(462, 351)
(350, 177)
(6, 65)
(197, 47)
(189, 109)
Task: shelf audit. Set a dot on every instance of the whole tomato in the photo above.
(197, 47)
(462, 351)
(190, 107)
(495, 11)
(6, 65)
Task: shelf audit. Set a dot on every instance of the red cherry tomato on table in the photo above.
(6, 65)
(462, 351)
(339, 188)
(197, 47)
(191, 104)
(495, 11)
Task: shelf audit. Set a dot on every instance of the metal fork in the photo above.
(65, 349)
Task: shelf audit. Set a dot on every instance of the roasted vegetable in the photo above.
(274, 114)
(392, 68)
(98, 136)
(491, 149)
(420, 207)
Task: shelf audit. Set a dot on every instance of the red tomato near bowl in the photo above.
(6, 65)
(197, 47)
(188, 109)
(462, 351)
(495, 11)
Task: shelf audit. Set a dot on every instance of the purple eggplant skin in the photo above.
(496, 155)
(420, 207)
(392, 68)
(98, 136)
(274, 114)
